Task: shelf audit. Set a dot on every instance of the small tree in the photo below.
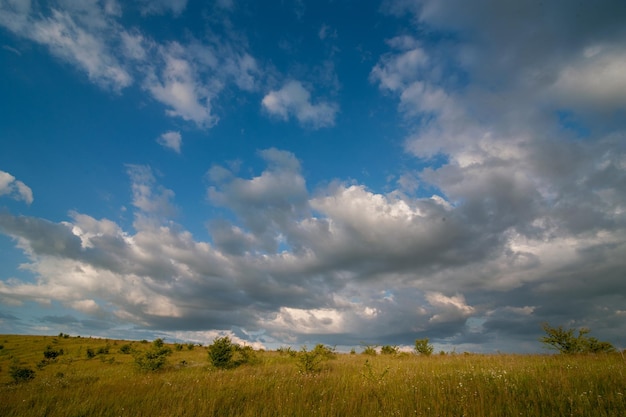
(221, 352)
(369, 350)
(153, 359)
(51, 353)
(326, 352)
(423, 347)
(21, 374)
(566, 342)
(309, 361)
(224, 354)
(126, 349)
(389, 350)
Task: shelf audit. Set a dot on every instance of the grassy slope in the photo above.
(351, 385)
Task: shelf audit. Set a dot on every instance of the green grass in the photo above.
(351, 385)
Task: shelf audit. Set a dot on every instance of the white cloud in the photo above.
(294, 267)
(14, 14)
(448, 308)
(171, 140)
(326, 32)
(89, 51)
(294, 100)
(14, 188)
(178, 87)
(148, 197)
(162, 6)
(312, 321)
(85, 306)
(81, 33)
(133, 46)
(394, 72)
(89, 35)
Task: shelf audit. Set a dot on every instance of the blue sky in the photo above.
(300, 172)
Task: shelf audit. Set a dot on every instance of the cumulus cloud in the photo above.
(294, 100)
(513, 163)
(147, 195)
(343, 264)
(171, 140)
(14, 188)
(179, 87)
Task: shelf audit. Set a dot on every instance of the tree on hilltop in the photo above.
(566, 342)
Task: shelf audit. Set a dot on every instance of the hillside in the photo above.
(99, 377)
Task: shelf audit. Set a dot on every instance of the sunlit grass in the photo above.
(351, 385)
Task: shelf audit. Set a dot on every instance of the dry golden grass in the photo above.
(351, 385)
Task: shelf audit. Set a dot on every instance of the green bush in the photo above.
(565, 342)
(309, 361)
(389, 350)
(21, 374)
(103, 350)
(224, 354)
(126, 349)
(154, 358)
(221, 352)
(326, 352)
(370, 350)
(422, 347)
(286, 350)
(51, 353)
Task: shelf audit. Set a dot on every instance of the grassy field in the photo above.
(87, 381)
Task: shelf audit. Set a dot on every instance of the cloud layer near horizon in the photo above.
(519, 216)
(342, 263)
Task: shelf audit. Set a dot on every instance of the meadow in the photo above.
(99, 377)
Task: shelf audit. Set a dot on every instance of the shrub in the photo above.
(286, 350)
(309, 361)
(326, 352)
(221, 352)
(565, 342)
(370, 350)
(103, 350)
(91, 353)
(21, 374)
(389, 350)
(422, 347)
(224, 354)
(51, 353)
(154, 358)
(245, 355)
(126, 349)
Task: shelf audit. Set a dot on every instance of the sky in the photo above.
(297, 172)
